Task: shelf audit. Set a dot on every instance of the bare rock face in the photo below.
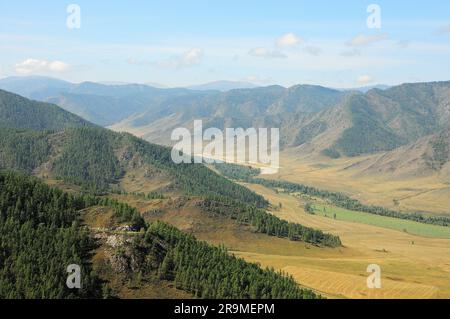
(115, 241)
(125, 228)
(119, 262)
(123, 259)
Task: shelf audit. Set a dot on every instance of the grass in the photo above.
(407, 226)
(421, 270)
(429, 194)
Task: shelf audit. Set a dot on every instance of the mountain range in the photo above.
(398, 131)
(222, 86)
(312, 119)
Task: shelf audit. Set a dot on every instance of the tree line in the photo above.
(266, 223)
(344, 201)
(207, 271)
(41, 234)
(194, 179)
(338, 199)
(89, 157)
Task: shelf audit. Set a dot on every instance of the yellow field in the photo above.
(412, 266)
(429, 193)
(419, 270)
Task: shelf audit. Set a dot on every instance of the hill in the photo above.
(380, 120)
(102, 104)
(19, 112)
(42, 234)
(34, 87)
(315, 119)
(99, 161)
(427, 156)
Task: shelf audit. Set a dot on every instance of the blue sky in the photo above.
(179, 43)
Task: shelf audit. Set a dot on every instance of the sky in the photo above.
(180, 43)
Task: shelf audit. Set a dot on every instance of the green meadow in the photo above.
(407, 226)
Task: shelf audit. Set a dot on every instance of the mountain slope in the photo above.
(19, 112)
(99, 103)
(380, 120)
(99, 160)
(272, 106)
(314, 119)
(40, 237)
(34, 87)
(427, 156)
(42, 234)
(93, 157)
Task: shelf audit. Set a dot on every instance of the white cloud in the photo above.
(364, 39)
(189, 58)
(30, 66)
(312, 50)
(266, 53)
(289, 39)
(365, 79)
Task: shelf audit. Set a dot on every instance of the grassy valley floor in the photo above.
(429, 193)
(412, 266)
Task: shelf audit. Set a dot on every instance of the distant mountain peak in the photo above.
(222, 86)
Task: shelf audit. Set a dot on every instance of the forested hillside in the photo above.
(96, 158)
(41, 234)
(41, 227)
(368, 134)
(332, 122)
(382, 120)
(88, 158)
(18, 112)
(266, 223)
(206, 271)
(398, 115)
(23, 149)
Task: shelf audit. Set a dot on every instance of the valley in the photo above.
(225, 158)
(412, 266)
(429, 193)
(325, 248)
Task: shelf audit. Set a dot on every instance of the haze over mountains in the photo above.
(44, 139)
(312, 119)
(222, 86)
(410, 122)
(43, 228)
